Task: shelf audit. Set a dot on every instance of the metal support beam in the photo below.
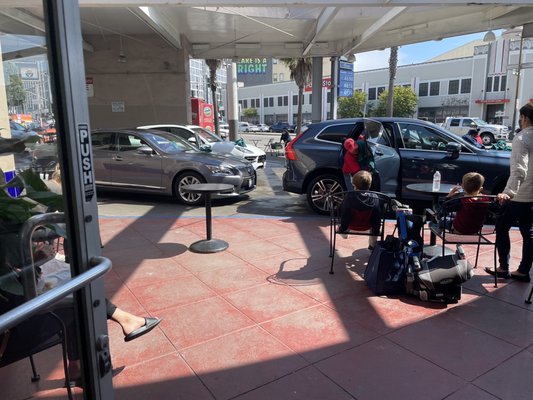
(325, 18)
(376, 26)
(159, 23)
(316, 94)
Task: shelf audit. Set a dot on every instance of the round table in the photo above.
(208, 245)
(427, 188)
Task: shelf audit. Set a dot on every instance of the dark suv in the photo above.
(406, 151)
(282, 126)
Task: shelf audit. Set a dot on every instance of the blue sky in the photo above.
(413, 53)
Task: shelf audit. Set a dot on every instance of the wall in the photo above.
(151, 87)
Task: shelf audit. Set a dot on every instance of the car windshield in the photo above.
(479, 121)
(209, 136)
(168, 143)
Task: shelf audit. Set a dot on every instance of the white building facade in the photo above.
(486, 84)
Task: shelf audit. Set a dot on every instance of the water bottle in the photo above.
(436, 181)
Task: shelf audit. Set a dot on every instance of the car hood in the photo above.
(235, 149)
(220, 158)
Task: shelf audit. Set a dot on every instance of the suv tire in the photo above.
(487, 139)
(318, 190)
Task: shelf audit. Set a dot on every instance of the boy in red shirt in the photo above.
(467, 217)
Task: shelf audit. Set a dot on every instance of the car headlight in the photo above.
(222, 169)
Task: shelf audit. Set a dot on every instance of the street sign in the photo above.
(345, 83)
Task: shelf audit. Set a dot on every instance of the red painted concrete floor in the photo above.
(265, 320)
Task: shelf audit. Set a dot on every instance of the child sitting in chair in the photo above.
(361, 211)
(466, 216)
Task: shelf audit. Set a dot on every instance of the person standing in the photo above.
(517, 202)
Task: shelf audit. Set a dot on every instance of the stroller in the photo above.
(438, 278)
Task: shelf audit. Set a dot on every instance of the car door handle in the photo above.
(378, 153)
(417, 159)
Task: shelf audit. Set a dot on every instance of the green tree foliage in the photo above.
(249, 113)
(404, 102)
(301, 71)
(352, 107)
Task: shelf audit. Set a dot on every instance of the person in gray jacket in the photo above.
(517, 201)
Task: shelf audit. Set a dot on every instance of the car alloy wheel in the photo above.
(188, 178)
(324, 192)
(487, 139)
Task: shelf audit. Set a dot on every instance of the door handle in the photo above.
(100, 266)
(379, 153)
(417, 159)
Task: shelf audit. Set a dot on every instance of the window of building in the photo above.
(310, 99)
(281, 76)
(280, 101)
(496, 84)
(245, 103)
(258, 103)
(328, 97)
(295, 100)
(488, 87)
(423, 89)
(434, 88)
(372, 93)
(252, 103)
(271, 101)
(453, 86)
(274, 77)
(407, 85)
(265, 102)
(240, 103)
(503, 83)
(381, 89)
(285, 100)
(466, 85)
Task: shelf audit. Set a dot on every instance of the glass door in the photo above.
(51, 291)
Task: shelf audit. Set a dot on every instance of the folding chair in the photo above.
(272, 146)
(482, 234)
(360, 221)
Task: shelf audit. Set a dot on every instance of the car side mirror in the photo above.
(146, 150)
(453, 149)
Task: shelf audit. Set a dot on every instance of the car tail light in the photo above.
(290, 153)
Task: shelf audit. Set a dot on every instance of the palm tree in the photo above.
(301, 70)
(214, 65)
(393, 63)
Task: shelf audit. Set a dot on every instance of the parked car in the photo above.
(243, 126)
(23, 134)
(150, 161)
(205, 139)
(405, 150)
(252, 128)
(281, 126)
(223, 130)
(263, 128)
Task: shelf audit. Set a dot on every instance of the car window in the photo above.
(335, 133)
(207, 135)
(182, 133)
(455, 122)
(102, 141)
(128, 142)
(386, 136)
(468, 122)
(421, 137)
(168, 143)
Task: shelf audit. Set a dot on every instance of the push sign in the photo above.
(86, 162)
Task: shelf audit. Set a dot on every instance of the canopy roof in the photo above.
(277, 28)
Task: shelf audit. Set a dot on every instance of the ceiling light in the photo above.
(489, 37)
(122, 57)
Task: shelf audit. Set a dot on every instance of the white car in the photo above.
(263, 128)
(204, 138)
(253, 128)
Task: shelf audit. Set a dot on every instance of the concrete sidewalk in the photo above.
(265, 320)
